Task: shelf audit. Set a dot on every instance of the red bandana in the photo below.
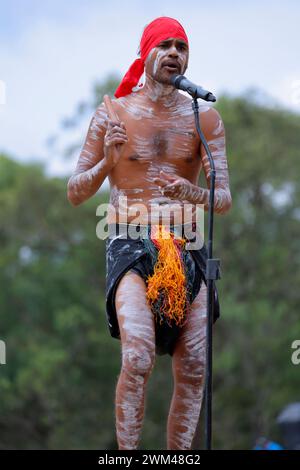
(158, 30)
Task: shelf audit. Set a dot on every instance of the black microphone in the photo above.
(182, 83)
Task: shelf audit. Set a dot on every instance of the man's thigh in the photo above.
(191, 340)
(134, 314)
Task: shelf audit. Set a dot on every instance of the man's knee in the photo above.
(189, 360)
(138, 359)
(194, 361)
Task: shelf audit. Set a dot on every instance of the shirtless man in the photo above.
(153, 153)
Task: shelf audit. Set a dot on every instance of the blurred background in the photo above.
(57, 59)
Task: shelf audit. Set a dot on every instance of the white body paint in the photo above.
(138, 355)
(159, 108)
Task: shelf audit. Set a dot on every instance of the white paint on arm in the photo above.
(90, 170)
(215, 134)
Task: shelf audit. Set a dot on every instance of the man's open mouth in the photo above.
(171, 67)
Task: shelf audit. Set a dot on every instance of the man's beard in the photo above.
(164, 79)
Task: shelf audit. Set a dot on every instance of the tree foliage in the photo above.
(58, 386)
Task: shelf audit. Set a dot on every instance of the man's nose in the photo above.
(173, 52)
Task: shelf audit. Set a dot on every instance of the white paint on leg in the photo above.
(138, 354)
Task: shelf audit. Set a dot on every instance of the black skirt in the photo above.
(124, 253)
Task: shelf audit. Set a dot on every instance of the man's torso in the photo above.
(160, 138)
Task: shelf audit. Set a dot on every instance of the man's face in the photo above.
(169, 57)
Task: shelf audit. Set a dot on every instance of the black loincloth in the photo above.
(124, 254)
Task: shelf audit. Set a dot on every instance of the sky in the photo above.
(52, 52)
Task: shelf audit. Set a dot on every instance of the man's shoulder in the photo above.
(205, 109)
(122, 103)
(210, 113)
(116, 102)
(210, 119)
(101, 111)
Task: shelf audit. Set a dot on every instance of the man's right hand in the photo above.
(114, 141)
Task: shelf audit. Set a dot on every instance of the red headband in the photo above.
(158, 30)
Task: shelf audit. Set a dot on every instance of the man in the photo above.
(156, 288)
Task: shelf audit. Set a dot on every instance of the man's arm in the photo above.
(92, 168)
(180, 188)
(214, 132)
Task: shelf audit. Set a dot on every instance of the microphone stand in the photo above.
(212, 274)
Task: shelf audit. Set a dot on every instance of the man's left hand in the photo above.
(174, 186)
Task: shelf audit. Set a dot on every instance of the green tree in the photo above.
(57, 388)
(260, 252)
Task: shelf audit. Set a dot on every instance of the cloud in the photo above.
(50, 61)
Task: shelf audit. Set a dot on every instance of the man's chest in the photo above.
(160, 139)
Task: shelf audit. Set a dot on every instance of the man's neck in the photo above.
(160, 93)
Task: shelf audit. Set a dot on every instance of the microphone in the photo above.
(182, 83)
